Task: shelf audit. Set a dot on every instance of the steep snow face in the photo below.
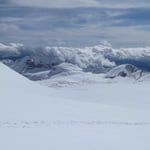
(125, 70)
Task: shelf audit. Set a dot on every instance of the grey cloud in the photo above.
(75, 26)
(83, 3)
(96, 57)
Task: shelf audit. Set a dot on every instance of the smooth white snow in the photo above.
(94, 116)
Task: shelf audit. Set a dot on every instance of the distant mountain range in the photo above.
(45, 62)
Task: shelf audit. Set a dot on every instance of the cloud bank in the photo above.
(87, 58)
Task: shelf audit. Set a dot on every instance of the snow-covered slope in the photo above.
(145, 78)
(63, 69)
(94, 116)
(125, 70)
(68, 75)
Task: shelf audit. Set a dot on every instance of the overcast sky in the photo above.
(75, 22)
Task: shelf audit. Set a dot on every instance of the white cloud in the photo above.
(58, 3)
(8, 28)
(123, 4)
(83, 3)
(13, 49)
(85, 58)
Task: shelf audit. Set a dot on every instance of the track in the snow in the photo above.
(36, 124)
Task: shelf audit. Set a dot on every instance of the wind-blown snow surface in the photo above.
(89, 117)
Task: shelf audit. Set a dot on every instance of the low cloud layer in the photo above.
(89, 57)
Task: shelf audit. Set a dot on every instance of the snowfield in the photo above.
(99, 113)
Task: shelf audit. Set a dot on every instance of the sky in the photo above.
(75, 23)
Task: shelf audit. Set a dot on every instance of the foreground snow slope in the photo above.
(90, 117)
